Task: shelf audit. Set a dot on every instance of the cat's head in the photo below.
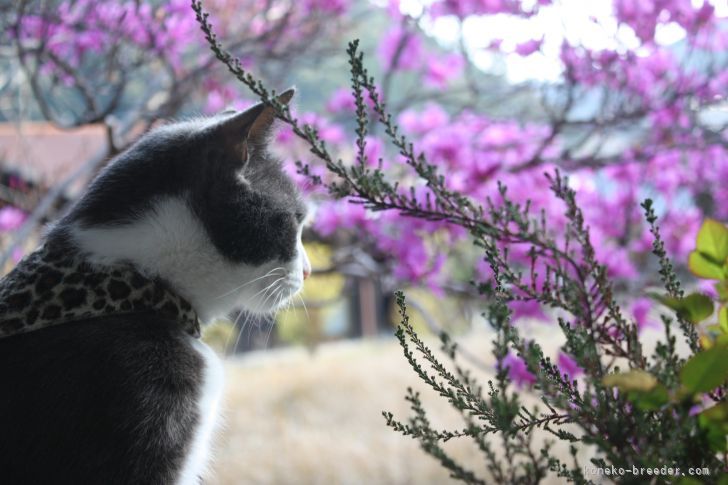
(203, 205)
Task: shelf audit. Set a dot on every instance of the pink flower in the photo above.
(374, 151)
(400, 49)
(337, 215)
(517, 370)
(567, 365)
(336, 7)
(11, 218)
(617, 260)
(441, 70)
(527, 309)
(640, 311)
(17, 255)
(432, 117)
(328, 131)
(529, 47)
(465, 8)
(341, 101)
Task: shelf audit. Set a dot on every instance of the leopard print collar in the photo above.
(55, 285)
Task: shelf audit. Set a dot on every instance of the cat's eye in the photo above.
(304, 217)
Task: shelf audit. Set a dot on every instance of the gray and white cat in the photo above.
(104, 379)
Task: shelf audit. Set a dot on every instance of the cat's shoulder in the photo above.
(136, 386)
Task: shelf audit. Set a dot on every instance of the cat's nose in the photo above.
(306, 262)
(306, 266)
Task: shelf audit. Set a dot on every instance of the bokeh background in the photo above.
(626, 97)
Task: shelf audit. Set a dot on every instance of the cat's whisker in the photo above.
(227, 348)
(269, 273)
(303, 302)
(273, 292)
(288, 298)
(251, 324)
(274, 315)
(242, 327)
(270, 332)
(290, 305)
(265, 290)
(239, 331)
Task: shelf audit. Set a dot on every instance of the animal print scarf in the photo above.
(52, 286)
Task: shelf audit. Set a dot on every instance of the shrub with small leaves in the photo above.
(631, 406)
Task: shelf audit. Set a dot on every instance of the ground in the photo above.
(293, 417)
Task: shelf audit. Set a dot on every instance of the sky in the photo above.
(566, 19)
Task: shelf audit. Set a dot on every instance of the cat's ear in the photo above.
(263, 123)
(251, 126)
(233, 130)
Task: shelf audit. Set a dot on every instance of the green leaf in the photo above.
(705, 370)
(697, 307)
(722, 340)
(717, 439)
(723, 319)
(688, 481)
(694, 308)
(721, 287)
(650, 400)
(717, 413)
(634, 380)
(703, 267)
(723, 480)
(714, 421)
(712, 240)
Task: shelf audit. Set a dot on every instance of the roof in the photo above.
(47, 155)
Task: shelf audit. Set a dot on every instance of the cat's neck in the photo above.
(55, 284)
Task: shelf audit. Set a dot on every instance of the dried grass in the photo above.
(296, 418)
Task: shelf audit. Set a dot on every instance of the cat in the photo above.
(104, 378)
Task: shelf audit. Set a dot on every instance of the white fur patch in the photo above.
(196, 462)
(169, 241)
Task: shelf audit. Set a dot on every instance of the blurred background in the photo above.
(626, 97)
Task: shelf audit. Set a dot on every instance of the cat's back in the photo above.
(105, 400)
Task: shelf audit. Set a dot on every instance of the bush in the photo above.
(638, 410)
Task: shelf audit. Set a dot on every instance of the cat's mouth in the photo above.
(274, 293)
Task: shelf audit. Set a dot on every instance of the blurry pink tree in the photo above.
(127, 65)
(635, 116)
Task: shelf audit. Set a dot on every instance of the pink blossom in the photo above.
(333, 216)
(527, 309)
(529, 47)
(640, 311)
(400, 49)
(431, 118)
(441, 70)
(11, 218)
(328, 131)
(341, 101)
(567, 365)
(465, 8)
(517, 370)
(336, 7)
(374, 151)
(18, 254)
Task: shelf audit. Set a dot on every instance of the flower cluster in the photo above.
(627, 123)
